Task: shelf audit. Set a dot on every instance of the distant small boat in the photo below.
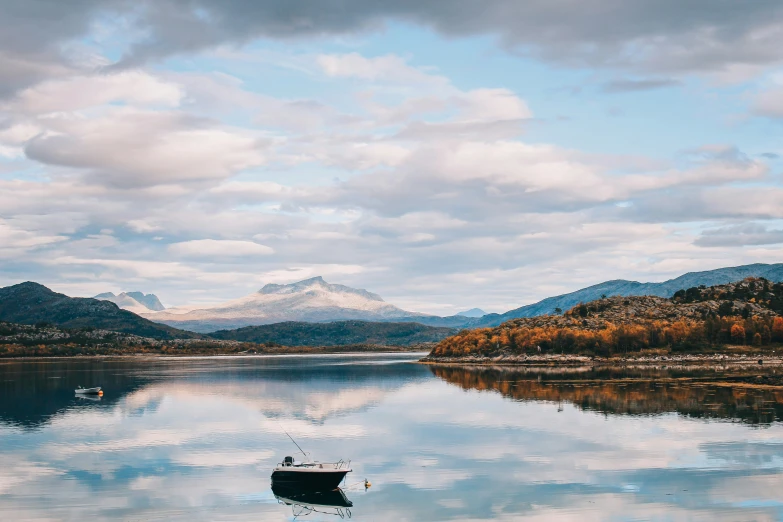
(89, 391)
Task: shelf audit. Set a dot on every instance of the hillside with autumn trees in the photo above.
(745, 313)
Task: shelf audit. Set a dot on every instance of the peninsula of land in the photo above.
(733, 323)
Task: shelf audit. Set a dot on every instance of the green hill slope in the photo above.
(337, 333)
(31, 303)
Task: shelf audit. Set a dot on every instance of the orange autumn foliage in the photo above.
(683, 334)
(777, 329)
(737, 334)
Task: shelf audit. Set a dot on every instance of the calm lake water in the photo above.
(196, 439)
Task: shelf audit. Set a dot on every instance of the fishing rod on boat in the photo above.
(297, 445)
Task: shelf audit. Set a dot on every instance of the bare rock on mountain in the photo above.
(136, 302)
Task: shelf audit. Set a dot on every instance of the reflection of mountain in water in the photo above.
(292, 388)
(33, 392)
(631, 392)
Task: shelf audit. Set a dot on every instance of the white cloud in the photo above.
(363, 155)
(13, 138)
(298, 273)
(15, 241)
(80, 92)
(128, 148)
(207, 248)
(387, 69)
(492, 105)
(392, 179)
(141, 226)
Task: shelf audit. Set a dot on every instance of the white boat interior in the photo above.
(97, 389)
(289, 464)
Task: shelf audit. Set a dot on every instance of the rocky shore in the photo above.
(567, 360)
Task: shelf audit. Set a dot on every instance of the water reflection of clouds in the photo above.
(216, 458)
(606, 442)
(17, 470)
(433, 452)
(272, 399)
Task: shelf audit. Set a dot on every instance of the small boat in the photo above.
(89, 391)
(312, 476)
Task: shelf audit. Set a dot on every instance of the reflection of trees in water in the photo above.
(630, 392)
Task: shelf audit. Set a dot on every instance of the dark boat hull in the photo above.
(312, 481)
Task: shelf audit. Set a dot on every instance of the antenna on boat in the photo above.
(292, 440)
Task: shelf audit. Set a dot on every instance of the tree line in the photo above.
(682, 335)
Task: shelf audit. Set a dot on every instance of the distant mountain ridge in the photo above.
(620, 287)
(338, 333)
(365, 316)
(136, 302)
(316, 301)
(473, 312)
(312, 300)
(31, 303)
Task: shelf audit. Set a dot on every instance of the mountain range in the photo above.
(64, 320)
(299, 305)
(316, 301)
(312, 300)
(136, 302)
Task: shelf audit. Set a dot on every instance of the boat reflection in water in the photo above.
(88, 397)
(304, 502)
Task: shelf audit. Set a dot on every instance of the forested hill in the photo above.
(621, 287)
(337, 333)
(32, 303)
(743, 313)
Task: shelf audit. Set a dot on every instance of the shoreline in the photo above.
(168, 356)
(569, 361)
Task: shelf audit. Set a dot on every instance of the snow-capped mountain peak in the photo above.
(310, 300)
(317, 284)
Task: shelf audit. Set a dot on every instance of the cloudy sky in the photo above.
(443, 153)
